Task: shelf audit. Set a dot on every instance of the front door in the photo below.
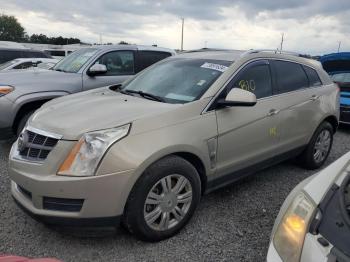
(120, 67)
(248, 135)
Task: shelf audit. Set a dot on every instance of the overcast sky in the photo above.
(310, 26)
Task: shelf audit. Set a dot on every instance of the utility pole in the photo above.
(182, 34)
(339, 46)
(282, 42)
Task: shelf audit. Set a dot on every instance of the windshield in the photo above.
(46, 65)
(7, 64)
(75, 61)
(178, 80)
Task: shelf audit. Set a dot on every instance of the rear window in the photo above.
(314, 79)
(290, 76)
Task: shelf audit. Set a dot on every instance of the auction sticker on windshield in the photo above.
(216, 67)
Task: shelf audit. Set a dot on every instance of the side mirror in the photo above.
(97, 69)
(238, 97)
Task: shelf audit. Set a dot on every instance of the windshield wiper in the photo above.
(59, 70)
(143, 94)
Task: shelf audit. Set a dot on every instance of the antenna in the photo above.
(182, 34)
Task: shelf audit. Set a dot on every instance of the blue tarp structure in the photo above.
(336, 62)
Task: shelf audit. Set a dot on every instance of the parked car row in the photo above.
(21, 93)
(8, 54)
(149, 145)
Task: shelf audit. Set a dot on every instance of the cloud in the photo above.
(313, 26)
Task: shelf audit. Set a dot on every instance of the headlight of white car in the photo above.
(86, 155)
(290, 234)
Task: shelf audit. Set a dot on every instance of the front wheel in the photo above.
(163, 200)
(318, 149)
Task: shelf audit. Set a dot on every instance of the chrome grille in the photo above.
(34, 146)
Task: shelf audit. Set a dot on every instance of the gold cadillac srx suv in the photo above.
(142, 153)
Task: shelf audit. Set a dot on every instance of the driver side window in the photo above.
(256, 79)
(118, 63)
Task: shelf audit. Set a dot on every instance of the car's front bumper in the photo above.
(313, 251)
(67, 199)
(72, 222)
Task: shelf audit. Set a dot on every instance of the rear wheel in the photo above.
(163, 200)
(319, 147)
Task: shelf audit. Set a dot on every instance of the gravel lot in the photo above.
(231, 224)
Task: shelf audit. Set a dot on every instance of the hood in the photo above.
(30, 81)
(325, 179)
(73, 115)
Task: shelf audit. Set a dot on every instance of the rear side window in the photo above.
(147, 58)
(313, 77)
(290, 76)
(256, 79)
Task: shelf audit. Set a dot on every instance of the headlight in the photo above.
(4, 90)
(290, 234)
(86, 155)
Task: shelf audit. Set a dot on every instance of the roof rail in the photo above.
(207, 49)
(276, 51)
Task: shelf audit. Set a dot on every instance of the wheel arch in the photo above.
(31, 102)
(333, 120)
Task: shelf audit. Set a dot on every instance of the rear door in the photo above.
(120, 66)
(298, 89)
(248, 135)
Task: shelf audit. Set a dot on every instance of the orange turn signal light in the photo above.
(71, 157)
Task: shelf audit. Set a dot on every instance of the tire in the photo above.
(22, 122)
(308, 158)
(166, 205)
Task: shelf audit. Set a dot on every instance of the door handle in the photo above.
(314, 97)
(273, 112)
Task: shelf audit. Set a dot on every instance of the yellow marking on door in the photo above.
(273, 131)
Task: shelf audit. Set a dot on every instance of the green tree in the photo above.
(11, 29)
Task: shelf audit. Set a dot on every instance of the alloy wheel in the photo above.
(322, 146)
(168, 202)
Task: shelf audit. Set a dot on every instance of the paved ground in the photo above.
(231, 224)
